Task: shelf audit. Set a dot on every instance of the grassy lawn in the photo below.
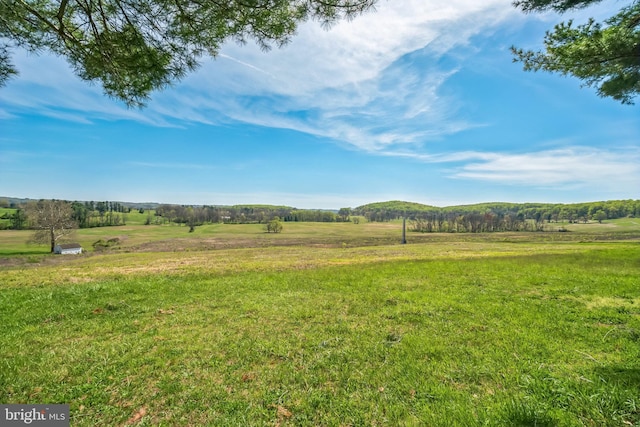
(451, 330)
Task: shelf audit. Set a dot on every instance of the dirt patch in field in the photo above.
(11, 262)
(207, 244)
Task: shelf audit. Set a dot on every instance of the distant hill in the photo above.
(17, 201)
(385, 211)
(259, 206)
(396, 205)
(393, 209)
(12, 201)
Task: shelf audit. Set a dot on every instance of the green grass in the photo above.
(447, 333)
(159, 238)
(15, 242)
(4, 211)
(136, 218)
(136, 237)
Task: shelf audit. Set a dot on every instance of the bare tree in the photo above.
(52, 220)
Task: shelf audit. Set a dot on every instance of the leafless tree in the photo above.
(51, 219)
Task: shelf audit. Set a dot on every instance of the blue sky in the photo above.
(418, 101)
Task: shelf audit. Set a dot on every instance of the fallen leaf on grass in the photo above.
(284, 412)
(248, 377)
(137, 416)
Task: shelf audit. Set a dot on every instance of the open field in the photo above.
(158, 238)
(325, 325)
(136, 237)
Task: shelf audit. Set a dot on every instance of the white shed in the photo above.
(68, 249)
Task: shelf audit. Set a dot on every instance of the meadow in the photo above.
(327, 325)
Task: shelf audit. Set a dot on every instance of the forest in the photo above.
(539, 212)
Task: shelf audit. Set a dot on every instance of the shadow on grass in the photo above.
(627, 378)
(27, 252)
(525, 414)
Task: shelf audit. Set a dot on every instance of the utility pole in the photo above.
(404, 230)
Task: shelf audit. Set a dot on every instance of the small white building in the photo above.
(68, 249)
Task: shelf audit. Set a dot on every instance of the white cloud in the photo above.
(359, 50)
(372, 84)
(46, 85)
(576, 167)
(573, 167)
(353, 83)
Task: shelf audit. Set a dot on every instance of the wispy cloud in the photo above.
(570, 167)
(46, 86)
(222, 55)
(370, 84)
(4, 115)
(573, 166)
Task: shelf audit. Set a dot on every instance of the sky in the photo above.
(418, 101)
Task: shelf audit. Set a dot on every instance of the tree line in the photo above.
(473, 222)
(83, 214)
(497, 216)
(103, 214)
(99, 214)
(241, 214)
(474, 218)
